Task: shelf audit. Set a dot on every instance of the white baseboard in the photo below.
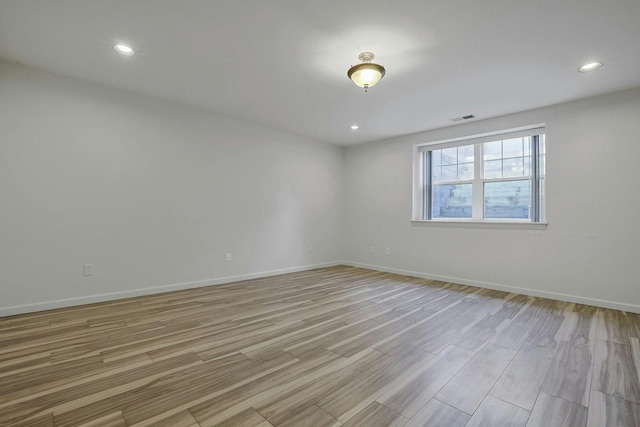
(111, 296)
(90, 299)
(506, 288)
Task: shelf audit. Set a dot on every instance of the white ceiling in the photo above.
(283, 63)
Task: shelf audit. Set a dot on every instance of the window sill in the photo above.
(482, 224)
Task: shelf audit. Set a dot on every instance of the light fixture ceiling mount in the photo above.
(367, 74)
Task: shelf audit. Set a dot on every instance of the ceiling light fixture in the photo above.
(590, 67)
(355, 127)
(124, 49)
(367, 74)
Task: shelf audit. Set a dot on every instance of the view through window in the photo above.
(498, 178)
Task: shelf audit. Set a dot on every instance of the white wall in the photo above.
(151, 193)
(587, 253)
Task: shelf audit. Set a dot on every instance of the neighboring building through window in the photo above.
(495, 178)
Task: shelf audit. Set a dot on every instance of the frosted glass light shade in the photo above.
(366, 75)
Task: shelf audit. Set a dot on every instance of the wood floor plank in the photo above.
(280, 408)
(408, 397)
(40, 421)
(78, 394)
(436, 330)
(551, 411)
(365, 388)
(478, 335)
(436, 413)
(522, 380)
(247, 418)
(155, 400)
(209, 411)
(549, 331)
(266, 348)
(26, 363)
(322, 347)
(607, 410)
(495, 412)
(468, 388)
(613, 326)
(53, 379)
(635, 354)
(181, 419)
(582, 325)
(570, 374)
(514, 335)
(614, 371)
(340, 334)
(172, 338)
(114, 419)
(633, 325)
(312, 416)
(376, 415)
(376, 335)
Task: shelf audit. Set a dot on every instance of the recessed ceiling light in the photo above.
(124, 49)
(355, 127)
(591, 66)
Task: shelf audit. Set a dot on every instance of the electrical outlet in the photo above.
(228, 257)
(87, 270)
(387, 251)
(372, 250)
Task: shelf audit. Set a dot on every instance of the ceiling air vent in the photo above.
(467, 117)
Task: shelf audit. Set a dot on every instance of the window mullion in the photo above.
(428, 193)
(535, 176)
(477, 204)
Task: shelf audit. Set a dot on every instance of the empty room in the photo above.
(319, 213)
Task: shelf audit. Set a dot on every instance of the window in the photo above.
(498, 177)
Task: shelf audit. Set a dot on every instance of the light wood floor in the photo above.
(329, 347)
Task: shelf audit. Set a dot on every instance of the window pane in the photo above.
(450, 156)
(527, 146)
(465, 172)
(492, 150)
(465, 154)
(542, 156)
(436, 174)
(527, 166)
(436, 158)
(452, 164)
(541, 196)
(512, 167)
(493, 169)
(512, 148)
(451, 201)
(511, 199)
(450, 173)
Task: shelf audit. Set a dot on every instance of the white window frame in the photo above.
(419, 215)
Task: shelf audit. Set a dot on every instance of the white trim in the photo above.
(418, 184)
(111, 296)
(487, 223)
(632, 308)
(482, 137)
